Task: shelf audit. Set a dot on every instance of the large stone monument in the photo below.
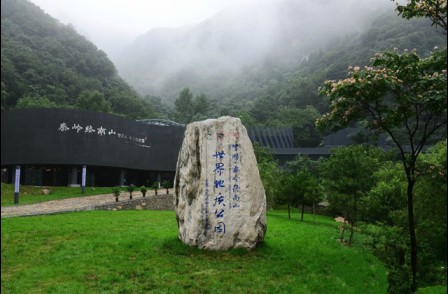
(219, 199)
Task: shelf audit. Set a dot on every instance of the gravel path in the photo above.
(69, 204)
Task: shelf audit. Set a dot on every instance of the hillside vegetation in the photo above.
(45, 63)
(260, 49)
(266, 68)
(262, 65)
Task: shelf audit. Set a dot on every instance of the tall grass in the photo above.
(138, 252)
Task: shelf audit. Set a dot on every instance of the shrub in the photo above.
(166, 184)
(155, 185)
(116, 190)
(143, 189)
(131, 188)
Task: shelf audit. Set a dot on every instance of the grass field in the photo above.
(32, 194)
(138, 252)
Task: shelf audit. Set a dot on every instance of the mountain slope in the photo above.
(263, 49)
(215, 54)
(43, 58)
(298, 87)
(267, 69)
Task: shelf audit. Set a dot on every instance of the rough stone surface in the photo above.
(219, 198)
(160, 202)
(46, 192)
(104, 201)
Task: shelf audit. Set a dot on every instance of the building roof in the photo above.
(274, 138)
(160, 122)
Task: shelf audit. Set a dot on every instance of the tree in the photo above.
(131, 189)
(269, 172)
(299, 184)
(289, 190)
(431, 214)
(245, 117)
(42, 57)
(432, 9)
(201, 104)
(155, 185)
(28, 101)
(158, 105)
(302, 163)
(313, 193)
(93, 100)
(389, 244)
(306, 194)
(348, 177)
(386, 196)
(302, 122)
(143, 189)
(167, 185)
(264, 108)
(201, 107)
(387, 229)
(116, 190)
(184, 106)
(431, 191)
(401, 95)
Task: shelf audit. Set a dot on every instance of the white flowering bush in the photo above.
(432, 9)
(398, 88)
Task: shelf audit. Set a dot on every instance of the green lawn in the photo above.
(138, 252)
(32, 194)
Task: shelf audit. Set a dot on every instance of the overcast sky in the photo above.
(105, 21)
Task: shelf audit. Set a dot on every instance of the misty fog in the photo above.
(236, 39)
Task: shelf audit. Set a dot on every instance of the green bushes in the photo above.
(131, 189)
(167, 185)
(143, 189)
(155, 185)
(116, 190)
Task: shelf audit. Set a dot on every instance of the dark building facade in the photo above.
(274, 138)
(51, 146)
(280, 141)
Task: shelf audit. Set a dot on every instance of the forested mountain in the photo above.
(265, 62)
(261, 62)
(47, 63)
(299, 87)
(224, 55)
(286, 95)
(240, 52)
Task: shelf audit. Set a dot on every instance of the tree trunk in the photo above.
(289, 212)
(303, 211)
(343, 231)
(352, 230)
(352, 222)
(344, 227)
(413, 238)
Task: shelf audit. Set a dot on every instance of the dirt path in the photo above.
(69, 204)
